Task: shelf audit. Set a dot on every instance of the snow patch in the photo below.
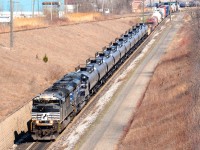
(167, 21)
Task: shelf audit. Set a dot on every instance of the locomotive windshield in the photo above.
(42, 105)
(44, 108)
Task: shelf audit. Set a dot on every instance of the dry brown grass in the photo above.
(84, 17)
(29, 22)
(37, 22)
(25, 23)
(166, 117)
(68, 19)
(55, 73)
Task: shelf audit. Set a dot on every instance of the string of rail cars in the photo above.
(55, 108)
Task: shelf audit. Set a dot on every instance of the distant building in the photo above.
(70, 2)
(25, 7)
(70, 6)
(50, 7)
(136, 4)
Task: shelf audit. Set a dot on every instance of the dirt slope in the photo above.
(168, 115)
(23, 73)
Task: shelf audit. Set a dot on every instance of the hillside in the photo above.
(24, 74)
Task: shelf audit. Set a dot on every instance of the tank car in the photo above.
(158, 15)
(129, 42)
(121, 48)
(91, 77)
(136, 35)
(112, 50)
(144, 30)
(108, 59)
(100, 66)
(133, 39)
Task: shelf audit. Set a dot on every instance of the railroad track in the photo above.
(39, 146)
(44, 145)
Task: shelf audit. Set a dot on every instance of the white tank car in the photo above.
(158, 15)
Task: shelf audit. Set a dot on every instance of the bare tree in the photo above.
(122, 6)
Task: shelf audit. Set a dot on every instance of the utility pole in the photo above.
(33, 7)
(51, 10)
(112, 6)
(170, 10)
(143, 11)
(66, 7)
(102, 7)
(11, 24)
(77, 5)
(38, 7)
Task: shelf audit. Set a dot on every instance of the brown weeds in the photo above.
(166, 118)
(54, 73)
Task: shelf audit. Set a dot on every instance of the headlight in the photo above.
(51, 121)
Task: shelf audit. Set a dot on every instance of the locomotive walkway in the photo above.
(107, 133)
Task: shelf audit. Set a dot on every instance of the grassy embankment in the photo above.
(168, 114)
(38, 22)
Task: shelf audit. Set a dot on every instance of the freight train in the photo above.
(160, 12)
(53, 109)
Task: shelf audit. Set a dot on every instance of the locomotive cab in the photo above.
(46, 115)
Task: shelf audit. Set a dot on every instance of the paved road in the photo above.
(106, 134)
